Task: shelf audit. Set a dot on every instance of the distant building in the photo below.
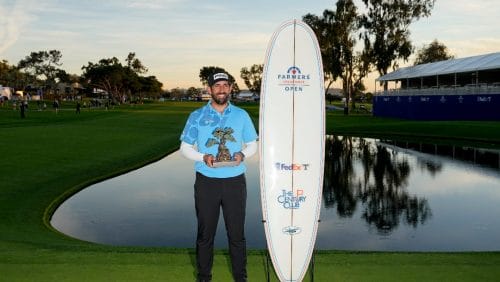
(73, 89)
(204, 96)
(335, 93)
(247, 96)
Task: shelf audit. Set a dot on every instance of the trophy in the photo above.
(223, 157)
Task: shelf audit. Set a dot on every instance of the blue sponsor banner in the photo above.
(438, 107)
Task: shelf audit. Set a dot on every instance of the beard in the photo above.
(220, 100)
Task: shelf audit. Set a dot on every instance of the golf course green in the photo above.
(47, 157)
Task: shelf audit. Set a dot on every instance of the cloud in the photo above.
(13, 19)
(157, 4)
(478, 46)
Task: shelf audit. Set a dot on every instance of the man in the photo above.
(219, 132)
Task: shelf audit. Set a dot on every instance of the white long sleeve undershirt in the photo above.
(191, 153)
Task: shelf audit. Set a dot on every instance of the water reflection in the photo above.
(378, 195)
(380, 187)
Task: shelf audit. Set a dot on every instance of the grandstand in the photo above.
(456, 89)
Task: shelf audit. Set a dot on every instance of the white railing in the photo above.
(464, 90)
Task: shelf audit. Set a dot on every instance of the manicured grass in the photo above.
(45, 158)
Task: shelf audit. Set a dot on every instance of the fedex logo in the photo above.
(283, 166)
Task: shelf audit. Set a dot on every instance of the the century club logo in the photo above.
(292, 199)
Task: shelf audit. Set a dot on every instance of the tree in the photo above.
(12, 77)
(118, 80)
(325, 33)
(434, 52)
(62, 76)
(108, 75)
(43, 65)
(135, 64)
(386, 29)
(252, 77)
(353, 66)
(6, 72)
(337, 32)
(177, 93)
(150, 86)
(193, 92)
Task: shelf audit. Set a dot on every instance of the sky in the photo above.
(174, 39)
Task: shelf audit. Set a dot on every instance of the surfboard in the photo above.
(291, 147)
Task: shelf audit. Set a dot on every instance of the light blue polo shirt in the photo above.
(201, 126)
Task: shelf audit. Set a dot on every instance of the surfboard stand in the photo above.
(311, 266)
(267, 260)
(267, 266)
(311, 263)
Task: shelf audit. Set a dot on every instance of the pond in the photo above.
(378, 195)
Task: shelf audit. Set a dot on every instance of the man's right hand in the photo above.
(209, 160)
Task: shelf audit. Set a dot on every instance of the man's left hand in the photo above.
(238, 157)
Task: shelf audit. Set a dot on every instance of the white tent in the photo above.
(6, 92)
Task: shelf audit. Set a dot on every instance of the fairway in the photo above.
(47, 157)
